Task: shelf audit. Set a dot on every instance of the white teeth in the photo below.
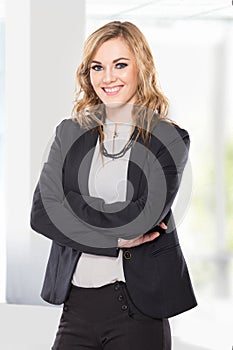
(112, 89)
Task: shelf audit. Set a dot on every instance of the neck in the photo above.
(119, 113)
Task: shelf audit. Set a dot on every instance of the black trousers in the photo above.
(105, 318)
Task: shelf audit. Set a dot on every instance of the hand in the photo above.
(147, 237)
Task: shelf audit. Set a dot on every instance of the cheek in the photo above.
(92, 80)
(132, 78)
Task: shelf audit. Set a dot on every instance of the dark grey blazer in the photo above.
(63, 210)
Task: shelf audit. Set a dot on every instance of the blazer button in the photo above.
(117, 286)
(120, 297)
(127, 254)
(124, 307)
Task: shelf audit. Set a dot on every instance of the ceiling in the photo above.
(155, 9)
(160, 9)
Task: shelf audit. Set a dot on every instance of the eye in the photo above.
(97, 68)
(121, 65)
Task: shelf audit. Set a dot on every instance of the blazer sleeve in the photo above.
(52, 219)
(130, 219)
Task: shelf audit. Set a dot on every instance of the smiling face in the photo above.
(113, 73)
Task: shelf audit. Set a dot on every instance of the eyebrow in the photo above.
(114, 61)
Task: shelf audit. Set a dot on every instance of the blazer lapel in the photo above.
(136, 180)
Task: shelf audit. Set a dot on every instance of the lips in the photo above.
(111, 91)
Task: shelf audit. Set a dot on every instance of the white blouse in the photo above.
(107, 180)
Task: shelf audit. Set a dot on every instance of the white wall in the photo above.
(44, 41)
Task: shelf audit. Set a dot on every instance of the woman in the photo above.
(115, 260)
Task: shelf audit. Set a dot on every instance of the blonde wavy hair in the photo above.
(150, 104)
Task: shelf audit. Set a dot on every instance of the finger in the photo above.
(163, 225)
(151, 236)
(155, 235)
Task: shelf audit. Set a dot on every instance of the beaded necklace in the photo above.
(122, 152)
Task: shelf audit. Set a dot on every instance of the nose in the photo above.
(108, 76)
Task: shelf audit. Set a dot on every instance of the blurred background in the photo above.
(40, 49)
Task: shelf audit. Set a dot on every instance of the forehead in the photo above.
(112, 49)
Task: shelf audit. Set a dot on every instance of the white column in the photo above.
(43, 48)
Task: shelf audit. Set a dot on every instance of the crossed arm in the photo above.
(90, 225)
